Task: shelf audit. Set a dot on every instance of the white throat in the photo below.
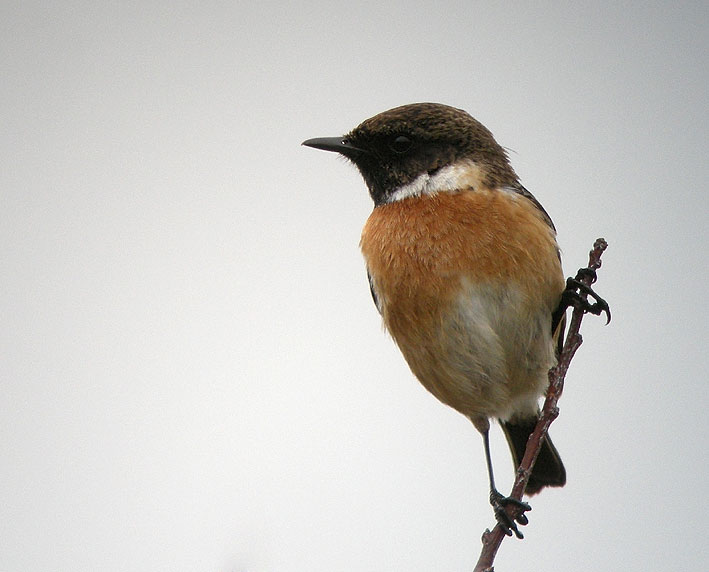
(464, 174)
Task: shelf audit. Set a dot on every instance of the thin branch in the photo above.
(491, 540)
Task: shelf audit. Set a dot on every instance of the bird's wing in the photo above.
(373, 291)
(519, 189)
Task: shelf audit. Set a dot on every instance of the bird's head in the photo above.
(422, 148)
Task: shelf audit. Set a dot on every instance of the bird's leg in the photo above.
(500, 502)
(572, 296)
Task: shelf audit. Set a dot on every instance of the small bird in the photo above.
(465, 270)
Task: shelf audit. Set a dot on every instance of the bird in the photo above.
(465, 270)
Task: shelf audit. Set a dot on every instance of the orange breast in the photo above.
(425, 253)
(420, 247)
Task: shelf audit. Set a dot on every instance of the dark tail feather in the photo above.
(548, 471)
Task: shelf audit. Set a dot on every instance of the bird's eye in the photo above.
(400, 144)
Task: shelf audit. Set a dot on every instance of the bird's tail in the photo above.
(548, 471)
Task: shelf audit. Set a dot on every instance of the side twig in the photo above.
(491, 540)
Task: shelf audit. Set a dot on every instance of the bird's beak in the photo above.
(336, 144)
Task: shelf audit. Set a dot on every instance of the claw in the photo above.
(507, 522)
(572, 296)
(587, 273)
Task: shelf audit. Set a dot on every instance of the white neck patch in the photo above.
(464, 174)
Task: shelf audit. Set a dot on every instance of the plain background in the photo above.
(193, 376)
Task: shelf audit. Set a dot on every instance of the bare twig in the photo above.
(492, 539)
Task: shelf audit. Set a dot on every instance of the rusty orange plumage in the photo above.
(421, 251)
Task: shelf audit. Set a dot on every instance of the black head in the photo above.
(396, 147)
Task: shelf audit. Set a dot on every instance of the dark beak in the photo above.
(337, 144)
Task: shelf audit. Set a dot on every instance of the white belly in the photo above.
(488, 357)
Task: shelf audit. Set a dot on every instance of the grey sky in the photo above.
(193, 376)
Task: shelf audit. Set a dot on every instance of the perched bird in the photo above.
(464, 268)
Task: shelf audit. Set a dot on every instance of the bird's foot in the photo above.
(509, 523)
(572, 295)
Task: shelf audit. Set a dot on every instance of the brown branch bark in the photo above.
(491, 540)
